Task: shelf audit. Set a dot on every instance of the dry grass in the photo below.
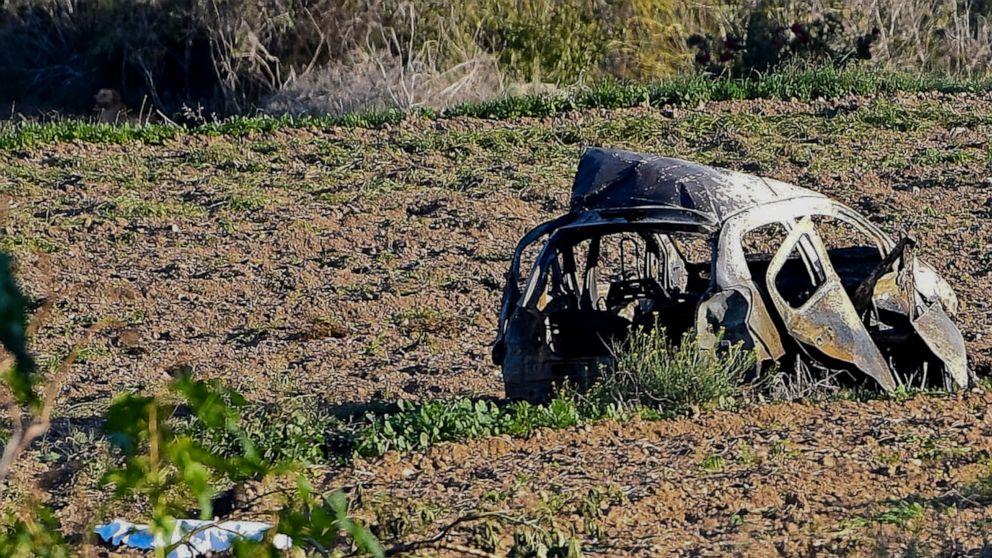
(377, 79)
(951, 36)
(307, 56)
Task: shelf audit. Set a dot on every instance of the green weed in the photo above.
(246, 200)
(712, 463)
(293, 431)
(651, 371)
(789, 83)
(34, 243)
(901, 513)
(529, 542)
(396, 519)
(131, 207)
(414, 428)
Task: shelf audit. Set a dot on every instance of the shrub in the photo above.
(307, 56)
(650, 371)
(33, 532)
(414, 427)
(295, 431)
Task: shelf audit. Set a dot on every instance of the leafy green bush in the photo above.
(33, 532)
(292, 432)
(418, 427)
(650, 371)
(166, 470)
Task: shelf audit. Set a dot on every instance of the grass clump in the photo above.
(712, 462)
(652, 379)
(652, 372)
(901, 513)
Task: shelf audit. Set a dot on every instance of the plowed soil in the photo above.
(366, 265)
(784, 479)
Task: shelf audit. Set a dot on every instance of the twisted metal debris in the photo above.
(784, 270)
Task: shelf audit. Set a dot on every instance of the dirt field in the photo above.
(785, 479)
(353, 266)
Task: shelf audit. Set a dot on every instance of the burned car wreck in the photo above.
(784, 270)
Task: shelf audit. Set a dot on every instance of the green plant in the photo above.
(322, 522)
(712, 463)
(293, 432)
(901, 513)
(418, 427)
(804, 83)
(172, 471)
(160, 464)
(594, 505)
(782, 449)
(166, 470)
(651, 371)
(247, 200)
(34, 532)
(530, 542)
(748, 457)
(396, 519)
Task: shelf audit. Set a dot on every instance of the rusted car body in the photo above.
(731, 257)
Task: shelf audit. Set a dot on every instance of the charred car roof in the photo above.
(609, 181)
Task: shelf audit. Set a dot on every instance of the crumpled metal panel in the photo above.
(932, 324)
(937, 330)
(828, 319)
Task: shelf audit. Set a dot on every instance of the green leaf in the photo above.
(126, 422)
(207, 401)
(35, 534)
(13, 335)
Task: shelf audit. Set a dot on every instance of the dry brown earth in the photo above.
(351, 265)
